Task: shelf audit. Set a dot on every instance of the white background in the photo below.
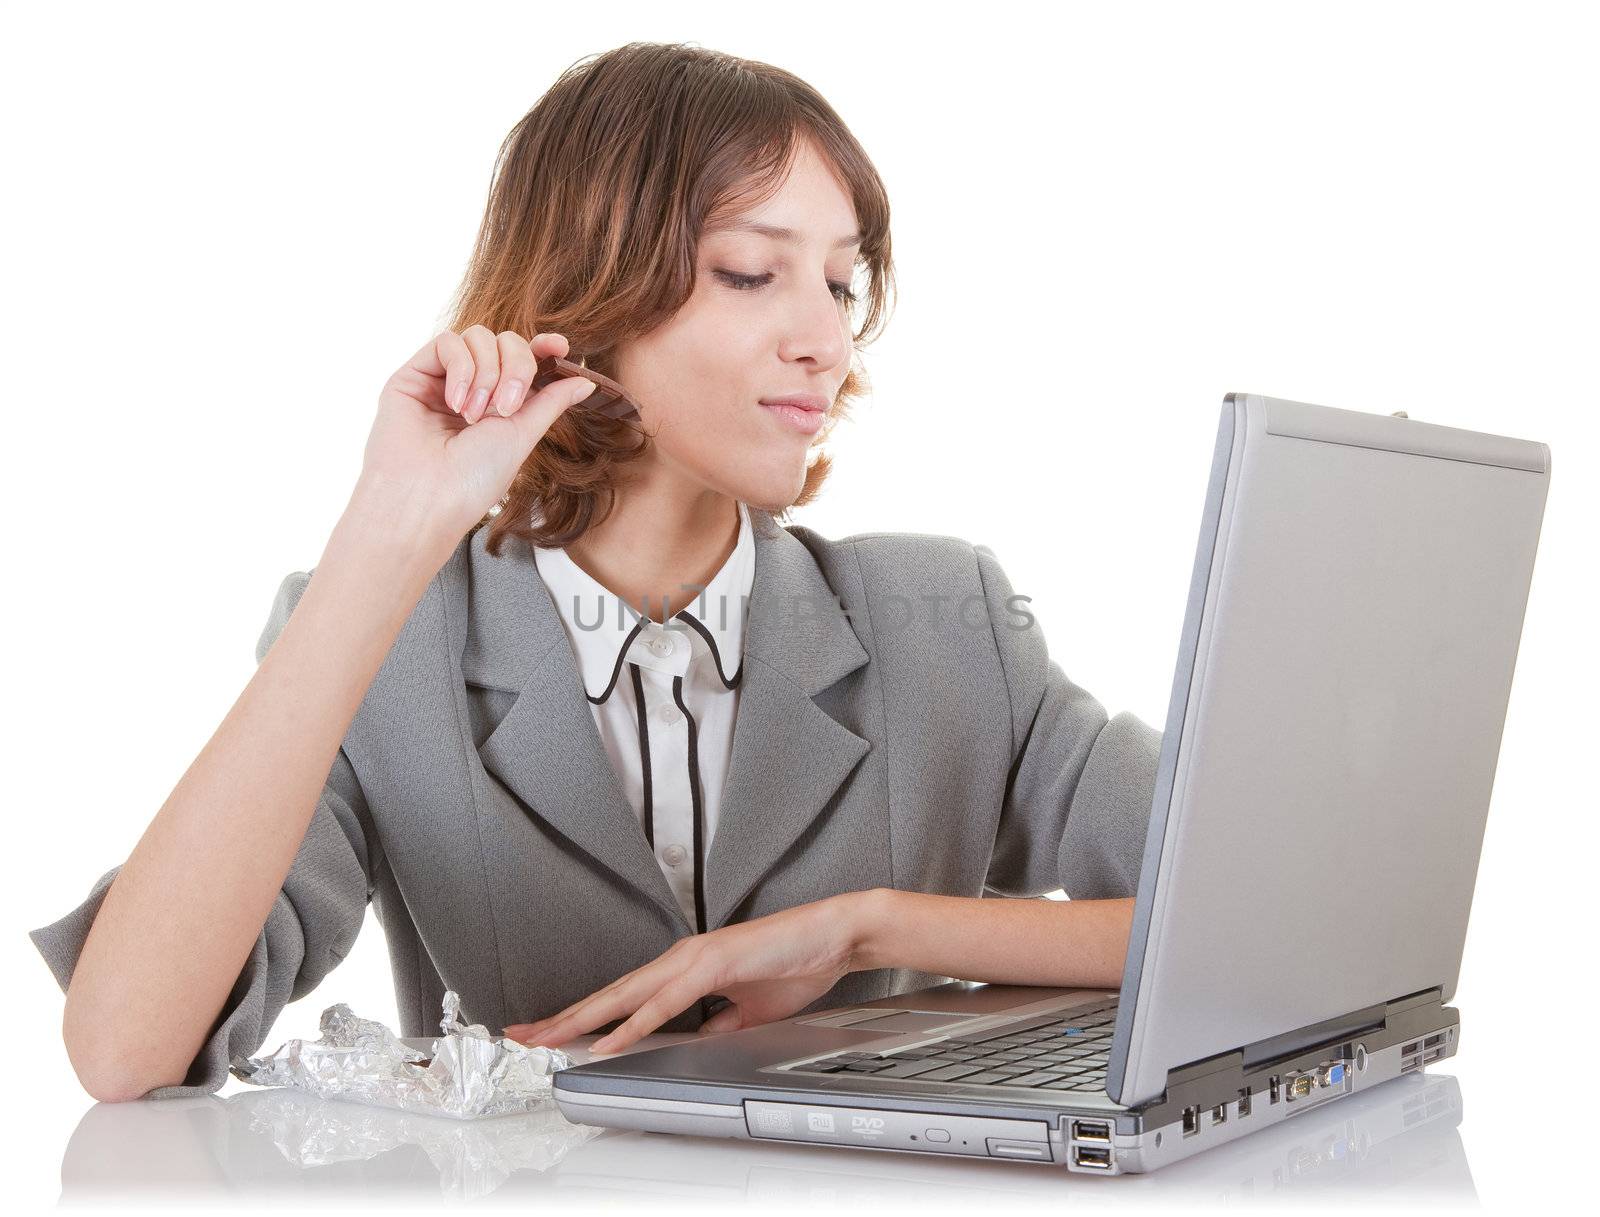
(225, 227)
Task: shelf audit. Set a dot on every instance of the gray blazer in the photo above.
(900, 724)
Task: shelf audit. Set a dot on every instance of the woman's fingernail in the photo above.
(511, 398)
(457, 392)
(480, 399)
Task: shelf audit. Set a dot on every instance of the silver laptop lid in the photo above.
(1342, 679)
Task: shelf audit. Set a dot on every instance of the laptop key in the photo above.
(1039, 1078)
(1060, 1084)
(948, 1073)
(907, 1069)
(987, 1078)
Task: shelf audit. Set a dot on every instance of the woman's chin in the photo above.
(771, 490)
(775, 499)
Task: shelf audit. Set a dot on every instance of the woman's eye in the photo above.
(745, 283)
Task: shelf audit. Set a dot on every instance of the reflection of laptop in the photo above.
(1342, 680)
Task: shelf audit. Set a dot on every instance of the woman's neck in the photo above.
(657, 539)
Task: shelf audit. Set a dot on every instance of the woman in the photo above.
(502, 707)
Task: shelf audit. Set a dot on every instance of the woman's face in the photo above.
(767, 319)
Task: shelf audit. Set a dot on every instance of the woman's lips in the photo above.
(804, 420)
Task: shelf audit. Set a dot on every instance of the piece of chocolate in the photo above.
(609, 398)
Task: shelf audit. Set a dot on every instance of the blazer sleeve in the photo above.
(1080, 785)
(312, 925)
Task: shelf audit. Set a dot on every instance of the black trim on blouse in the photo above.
(621, 651)
(644, 756)
(711, 642)
(642, 711)
(699, 810)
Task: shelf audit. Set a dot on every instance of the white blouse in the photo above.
(672, 758)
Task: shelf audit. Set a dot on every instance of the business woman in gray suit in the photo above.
(689, 814)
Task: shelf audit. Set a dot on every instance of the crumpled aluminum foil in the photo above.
(469, 1074)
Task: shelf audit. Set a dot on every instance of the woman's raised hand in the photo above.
(456, 421)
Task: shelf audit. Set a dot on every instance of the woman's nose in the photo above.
(818, 332)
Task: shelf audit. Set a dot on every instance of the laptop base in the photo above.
(1206, 1104)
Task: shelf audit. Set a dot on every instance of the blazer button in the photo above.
(673, 855)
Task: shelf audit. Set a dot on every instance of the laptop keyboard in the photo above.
(1065, 1051)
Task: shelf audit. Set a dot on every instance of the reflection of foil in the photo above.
(472, 1159)
(468, 1075)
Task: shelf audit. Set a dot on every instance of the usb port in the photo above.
(1272, 1089)
(1093, 1158)
(1219, 1113)
(1244, 1102)
(1090, 1130)
(1191, 1121)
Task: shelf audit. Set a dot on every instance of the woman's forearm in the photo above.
(1019, 942)
(183, 914)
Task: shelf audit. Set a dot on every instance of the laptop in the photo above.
(1341, 685)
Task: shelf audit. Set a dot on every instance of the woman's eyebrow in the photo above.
(786, 234)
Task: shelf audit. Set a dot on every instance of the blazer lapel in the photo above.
(547, 750)
(789, 756)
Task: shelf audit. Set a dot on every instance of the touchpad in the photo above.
(894, 1020)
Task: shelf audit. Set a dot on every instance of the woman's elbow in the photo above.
(110, 1087)
(110, 1071)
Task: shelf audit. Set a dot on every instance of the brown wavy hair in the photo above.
(595, 210)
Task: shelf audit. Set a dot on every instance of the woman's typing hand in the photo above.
(768, 969)
(774, 966)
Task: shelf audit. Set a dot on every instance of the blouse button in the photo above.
(670, 714)
(664, 645)
(674, 855)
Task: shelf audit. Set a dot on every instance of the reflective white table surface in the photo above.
(278, 1148)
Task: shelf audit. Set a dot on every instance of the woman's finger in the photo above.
(485, 350)
(545, 345)
(443, 358)
(529, 1031)
(678, 995)
(581, 1016)
(601, 1009)
(541, 410)
(584, 1016)
(516, 372)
